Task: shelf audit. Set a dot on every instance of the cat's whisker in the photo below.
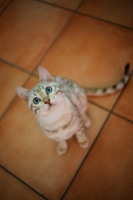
(28, 116)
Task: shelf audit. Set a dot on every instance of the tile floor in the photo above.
(89, 42)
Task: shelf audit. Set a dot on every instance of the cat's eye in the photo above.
(36, 100)
(48, 90)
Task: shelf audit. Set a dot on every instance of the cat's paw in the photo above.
(86, 121)
(83, 141)
(87, 124)
(84, 144)
(62, 147)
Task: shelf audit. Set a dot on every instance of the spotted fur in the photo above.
(60, 107)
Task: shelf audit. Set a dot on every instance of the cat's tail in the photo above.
(111, 89)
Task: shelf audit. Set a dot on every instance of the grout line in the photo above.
(21, 69)
(5, 6)
(80, 3)
(121, 92)
(85, 14)
(53, 42)
(95, 140)
(104, 20)
(55, 5)
(98, 105)
(85, 157)
(11, 102)
(42, 57)
(61, 7)
(22, 182)
(3, 114)
(15, 66)
(120, 116)
(114, 103)
(60, 32)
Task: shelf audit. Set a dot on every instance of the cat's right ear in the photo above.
(44, 74)
(23, 93)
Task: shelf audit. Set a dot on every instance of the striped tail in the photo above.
(112, 89)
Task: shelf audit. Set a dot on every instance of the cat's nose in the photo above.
(47, 101)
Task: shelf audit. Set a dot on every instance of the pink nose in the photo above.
(47, 101)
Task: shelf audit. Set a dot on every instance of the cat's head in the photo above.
(45, 94)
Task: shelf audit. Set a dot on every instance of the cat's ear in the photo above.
(44, 75)
(23, 93)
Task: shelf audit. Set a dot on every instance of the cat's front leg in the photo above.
(86, 120)
(82, 138)
(61, 147)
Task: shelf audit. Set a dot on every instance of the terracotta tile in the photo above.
(27, 30)
(116, 11)
(88, 52)
(7, 84)
(124, 106)
(66, 3)
(33, 158)
(107, 173)
(31, 83)
(11, 189)
(105, 101)
(3, 3)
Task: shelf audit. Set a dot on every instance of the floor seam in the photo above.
(53, 42)
(85, 14)
(85, 157)
(7, 108)
(15, 66)
(104, 20)
(13, 99)
(98, 105)
(95, 140)
(5, 6)
(78, 6)
(22, 182)
(122, 117)
(55, 5)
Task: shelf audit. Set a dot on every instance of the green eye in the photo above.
(48, 90)
(36, 100)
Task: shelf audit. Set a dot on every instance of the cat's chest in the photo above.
(61, 127)
(57, 117)
(61, 123)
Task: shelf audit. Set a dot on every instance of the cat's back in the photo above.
(68, 85)
(74, 92)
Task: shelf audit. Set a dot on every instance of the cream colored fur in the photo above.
(61, 113)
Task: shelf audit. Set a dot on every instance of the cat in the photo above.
(60, 106)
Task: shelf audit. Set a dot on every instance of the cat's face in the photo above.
(44, 95)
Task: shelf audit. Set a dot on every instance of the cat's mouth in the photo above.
(46, 108)
(47, 101)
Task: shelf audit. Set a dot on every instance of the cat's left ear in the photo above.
(44, 75)
(23, 93)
